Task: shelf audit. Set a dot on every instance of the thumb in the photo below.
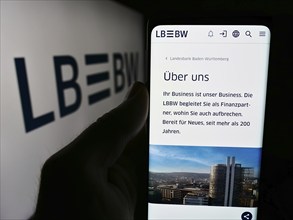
(107, 137)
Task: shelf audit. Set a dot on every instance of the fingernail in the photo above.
(134, 88)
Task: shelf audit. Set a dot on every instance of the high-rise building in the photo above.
(217, 184)
(226, 183)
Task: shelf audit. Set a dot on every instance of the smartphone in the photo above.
(207, 106)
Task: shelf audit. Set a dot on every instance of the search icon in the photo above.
(248, 33)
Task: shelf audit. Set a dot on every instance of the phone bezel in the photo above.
(228, 19)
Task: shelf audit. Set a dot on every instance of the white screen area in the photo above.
(208, 88)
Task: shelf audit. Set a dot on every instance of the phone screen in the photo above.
(207, 105)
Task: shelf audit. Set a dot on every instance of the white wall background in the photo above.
(38, 31)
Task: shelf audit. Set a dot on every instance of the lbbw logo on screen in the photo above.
(172, 33)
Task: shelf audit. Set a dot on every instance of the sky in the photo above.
(199, 159)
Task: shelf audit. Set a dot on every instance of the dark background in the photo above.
(277, 163)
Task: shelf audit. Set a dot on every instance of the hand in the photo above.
(102, 173)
